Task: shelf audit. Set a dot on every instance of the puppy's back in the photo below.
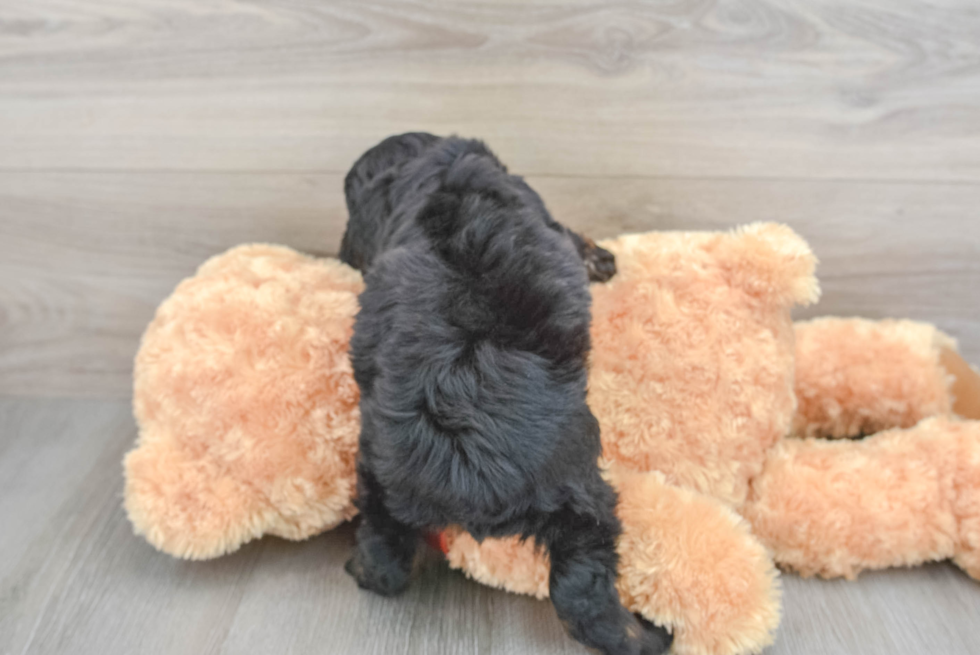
(471, 344)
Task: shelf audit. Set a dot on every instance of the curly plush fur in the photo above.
(470, 353)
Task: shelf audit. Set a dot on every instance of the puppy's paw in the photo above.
(384, 581)
(599, 262)
(655, 640)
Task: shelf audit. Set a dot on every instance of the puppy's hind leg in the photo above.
(385, 548)
(582, 546)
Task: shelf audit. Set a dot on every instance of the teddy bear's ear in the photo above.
(769, 261)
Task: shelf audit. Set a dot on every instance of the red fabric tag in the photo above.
(437, 541)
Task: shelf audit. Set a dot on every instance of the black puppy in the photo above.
(470, 351)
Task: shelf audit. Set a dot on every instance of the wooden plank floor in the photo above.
(139, 137)
(74, 579)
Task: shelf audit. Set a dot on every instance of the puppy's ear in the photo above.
(770, 262)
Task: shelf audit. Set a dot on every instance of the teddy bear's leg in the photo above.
(385, 548)
(510, 563)
(686, 562)
(692, 564)
(856, 377)
(582, 583)
(967, 487)
(899, 498)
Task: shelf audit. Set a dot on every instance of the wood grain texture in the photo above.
(830, 89)
(138, 138)
(85, 257)
(74, 580)
(901, 611)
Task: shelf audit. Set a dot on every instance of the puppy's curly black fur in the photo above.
(470, 352)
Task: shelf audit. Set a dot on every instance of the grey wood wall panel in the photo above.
(85, 257)
(882, 89)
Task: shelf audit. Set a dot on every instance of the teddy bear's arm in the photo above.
(855, 377)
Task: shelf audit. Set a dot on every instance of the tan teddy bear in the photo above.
(248, 425)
